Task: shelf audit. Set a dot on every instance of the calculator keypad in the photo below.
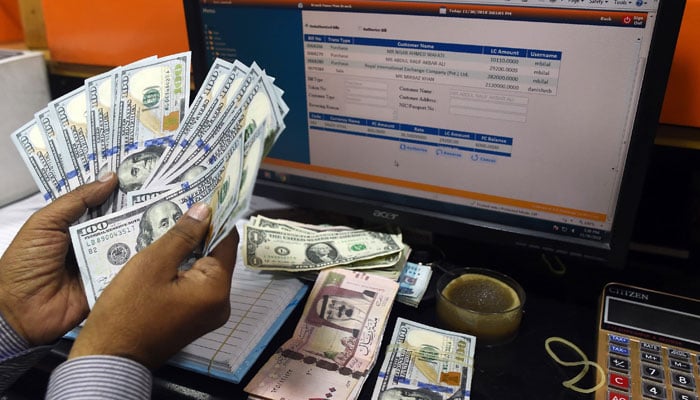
(638, 370)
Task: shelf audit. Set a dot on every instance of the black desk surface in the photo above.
(560, 304)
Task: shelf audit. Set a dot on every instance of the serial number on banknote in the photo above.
(110, 235)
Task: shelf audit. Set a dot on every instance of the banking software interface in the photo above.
(511, 111)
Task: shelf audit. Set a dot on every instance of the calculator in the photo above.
(648, 344)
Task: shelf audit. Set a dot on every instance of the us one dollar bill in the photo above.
(262, 221)
(425, 362)
(286, 251)
(388, 266)
(336, 342)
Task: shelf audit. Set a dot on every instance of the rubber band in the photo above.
(434, 355)
(560, 268)
(571, 383)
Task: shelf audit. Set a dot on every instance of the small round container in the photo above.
(481, 302)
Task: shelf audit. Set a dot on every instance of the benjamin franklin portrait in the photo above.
(157, 219)
(135, 168)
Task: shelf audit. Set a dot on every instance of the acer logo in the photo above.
(385, 215)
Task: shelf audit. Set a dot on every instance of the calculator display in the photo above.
(652, 319)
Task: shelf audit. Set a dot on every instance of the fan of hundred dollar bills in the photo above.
(168, 153)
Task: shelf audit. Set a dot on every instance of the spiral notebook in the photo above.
(260, 304)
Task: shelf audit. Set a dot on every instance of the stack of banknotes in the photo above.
(284, 245)
(168, 152)
(335, 344)
(305, 249)
(424, 362)
(413, 283)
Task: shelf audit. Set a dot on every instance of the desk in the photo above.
(557, 305)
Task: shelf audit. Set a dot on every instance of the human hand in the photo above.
(151, 310)
(41, 295)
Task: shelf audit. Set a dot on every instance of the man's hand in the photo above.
(41, 295)
(150, 310)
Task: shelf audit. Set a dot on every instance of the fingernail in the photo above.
(105, 176)
(199, 211)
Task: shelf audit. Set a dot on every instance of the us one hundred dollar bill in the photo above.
(200, 107)
(104, 245)
(98, 90)
(152, 99)
(34, 151)
(124, 121)
(71, 115)
(335, 344)
(65, 168)
(237, 79)
(425, 362)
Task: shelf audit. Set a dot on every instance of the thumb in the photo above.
(66, 209)
(179, 241)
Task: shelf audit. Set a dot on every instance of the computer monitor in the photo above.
(524, 123)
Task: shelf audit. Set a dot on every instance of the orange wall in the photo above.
(112, 33)
(682, 101)
(10, 25)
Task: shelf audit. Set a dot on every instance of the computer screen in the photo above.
(524, 123)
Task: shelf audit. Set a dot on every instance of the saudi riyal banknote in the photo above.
(285, 251)
(336, 342)
(425, 362)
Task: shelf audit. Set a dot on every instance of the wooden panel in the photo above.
(32, 15)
